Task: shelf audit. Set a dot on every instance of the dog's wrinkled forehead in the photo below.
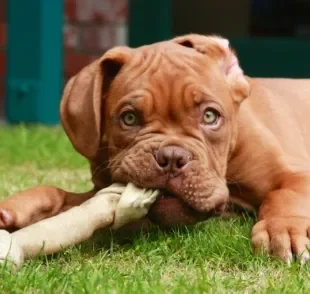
(168, 71)
(165, 60)
(171, 54)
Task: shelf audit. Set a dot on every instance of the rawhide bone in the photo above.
(111, 207)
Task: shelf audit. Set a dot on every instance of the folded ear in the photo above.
(82, 100)
(218, 49)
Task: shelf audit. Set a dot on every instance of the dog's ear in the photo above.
(219, 50)
(82, 100)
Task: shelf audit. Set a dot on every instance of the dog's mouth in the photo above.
(165, 194)
(169, 210)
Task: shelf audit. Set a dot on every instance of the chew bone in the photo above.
(114, 206)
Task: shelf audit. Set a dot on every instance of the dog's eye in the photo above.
(129, 118)
(211, 116)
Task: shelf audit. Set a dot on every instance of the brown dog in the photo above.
(174, 116)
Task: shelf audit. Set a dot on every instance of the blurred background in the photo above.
(44, 42)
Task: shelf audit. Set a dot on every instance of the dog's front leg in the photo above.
(33, 205)
(117, 205)
(283, 228)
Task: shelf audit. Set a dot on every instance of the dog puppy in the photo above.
(180, 116)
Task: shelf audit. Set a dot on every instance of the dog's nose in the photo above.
(172, 158)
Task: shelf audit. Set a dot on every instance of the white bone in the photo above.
(111, 207)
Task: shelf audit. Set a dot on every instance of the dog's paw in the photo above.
(133, 205)
(7, 219)
(10, 251)
(283, 237)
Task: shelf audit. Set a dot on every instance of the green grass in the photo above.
(213, 257)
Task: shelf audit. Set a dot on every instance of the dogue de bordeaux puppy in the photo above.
(181, 116)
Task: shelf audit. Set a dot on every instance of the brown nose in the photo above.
(172, 158)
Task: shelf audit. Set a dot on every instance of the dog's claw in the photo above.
(304, 257)
(288, 258)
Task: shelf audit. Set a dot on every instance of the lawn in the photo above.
(213, 257)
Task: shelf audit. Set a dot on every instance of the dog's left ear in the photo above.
(219, 50)
(81, 107)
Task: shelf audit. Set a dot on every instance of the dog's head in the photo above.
(161, 116)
